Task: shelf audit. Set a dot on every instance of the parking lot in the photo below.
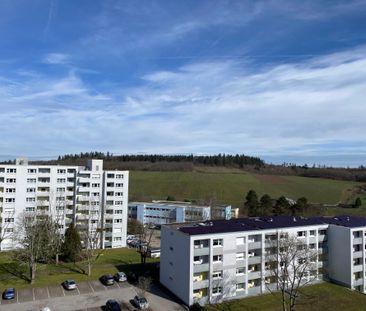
(89, 296)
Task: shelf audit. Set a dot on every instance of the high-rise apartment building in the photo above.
(218, 260)
(94, 199)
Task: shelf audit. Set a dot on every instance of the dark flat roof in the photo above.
(262, 223)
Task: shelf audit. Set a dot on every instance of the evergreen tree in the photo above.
(358, 202)
(71, 248)
(251, 203)
(300, 207)
(281, 207)
(265, 205)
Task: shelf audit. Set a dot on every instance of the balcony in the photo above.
(200, 284)
(357, 254)
(254, 259)
(201, 251)
(252, 275)
(255, 290)
(204, 267)
(254, 245)
(357, 282)
(357, 268)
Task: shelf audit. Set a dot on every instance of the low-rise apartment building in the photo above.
(218, 260)
(94, 199)
(166, 212)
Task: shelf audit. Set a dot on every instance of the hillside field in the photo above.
(231, 187)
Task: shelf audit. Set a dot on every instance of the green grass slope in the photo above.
(231, 187)
(325, 297)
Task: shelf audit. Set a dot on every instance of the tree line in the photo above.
(268, 206)
(239, 160)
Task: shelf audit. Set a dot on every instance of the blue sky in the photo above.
(284, 80)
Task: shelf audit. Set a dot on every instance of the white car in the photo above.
(69, 284)
(141, 302)
(120, 277)
(46, 309)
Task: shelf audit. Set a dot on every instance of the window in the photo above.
(117, 238)
(118, 194)
(9, 219)
(10, 200)
(110, 175)
(240, 286)
(29, 190)
(217, 242)
(118, 211)
(312, 245)
(322, 232)
(10, 190)
(61, 180)
(240, 256)
(216, 291)
(30, 199)
(312, 233)
(31, 180)
(117, 221)
(119, 176)
(60, 190)
(32, 171)
(240, 271)
(217, 258)
(118, 202)
(119, 185)
(11, 170)
(240, 241)
(95, 185)
(95, 194)
(217, 275)
(29, 209)
(9, 230)
(61, 171)
(301, 234)
(11, 180)
(171, 248)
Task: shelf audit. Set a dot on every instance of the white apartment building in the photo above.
(166, 212)
(94, 199)
(227, 259)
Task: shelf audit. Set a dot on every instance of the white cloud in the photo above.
(56, 59)
(308, 108)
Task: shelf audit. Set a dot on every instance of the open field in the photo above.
(112, 260)
(231, 186)
(325, 297)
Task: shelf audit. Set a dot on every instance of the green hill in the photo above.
(231, 187)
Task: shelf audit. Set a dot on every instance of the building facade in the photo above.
(166, 212)
(221, 260)
(94, 199)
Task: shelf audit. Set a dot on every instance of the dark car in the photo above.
(107, 279)
(9, 293)
(112, 305)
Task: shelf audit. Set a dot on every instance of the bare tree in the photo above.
(290, 265)
(34, 238)
(145, 236)
(143, 285)
(89, 223)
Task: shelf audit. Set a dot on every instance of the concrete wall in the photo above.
(175, 266)
(339, 253)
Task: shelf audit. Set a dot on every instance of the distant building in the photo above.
(198, 259)
(92, 198)
(166, 212)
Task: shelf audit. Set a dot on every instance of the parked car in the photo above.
(120, 277)
(112, 305)
(9, 293)
(46, 309)
(69, 284)
(141, 302)
(107, 279)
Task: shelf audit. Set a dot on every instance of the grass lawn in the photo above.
(231, 187)
(111, 261)
(325, 297)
